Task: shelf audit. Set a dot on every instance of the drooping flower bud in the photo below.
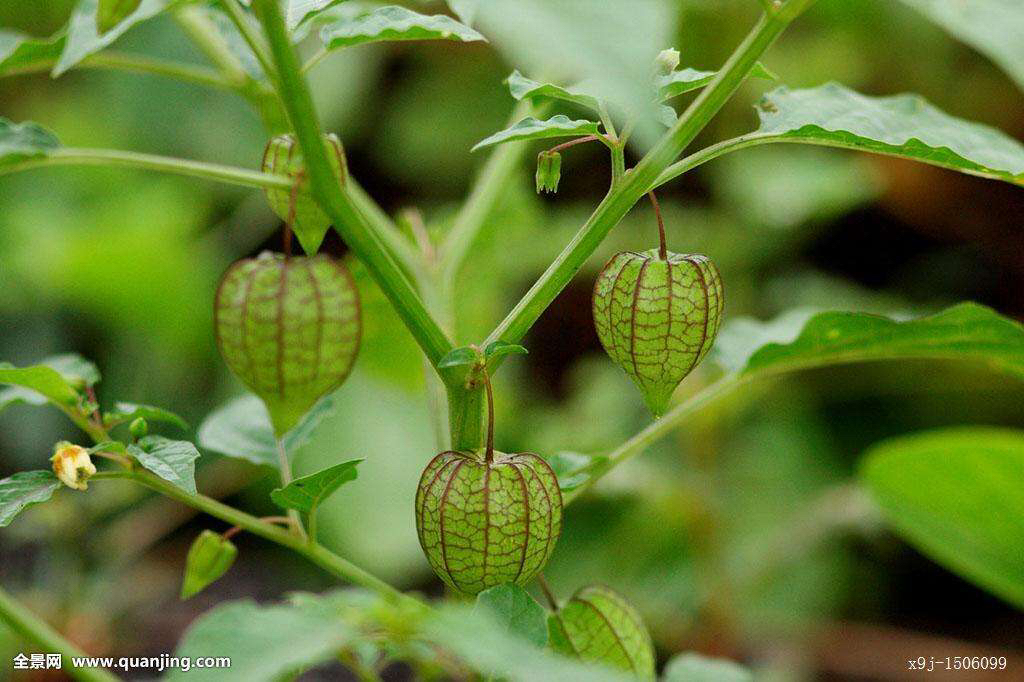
(72, 465)
(210, 557)
(667, 61)
(549, 171)
(289, 328)
(598, 625)
(483, 524)
(657, 318)
(284, 157)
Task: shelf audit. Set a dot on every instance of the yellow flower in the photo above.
(72, 465)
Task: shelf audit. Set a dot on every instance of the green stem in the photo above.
(253, 39)
(350, 222)
(71, 156)
(639, 180)
(33, 628)
(204, 34)
(316, 553)
(285, 467)
(116, 61)
(618, 163)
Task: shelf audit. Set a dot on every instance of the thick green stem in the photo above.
(70, 156)
(350, 222)
(136, 63)
(639, 180)
(465, 416)
(30, 626)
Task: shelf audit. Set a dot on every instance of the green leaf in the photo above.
(241, 428)
(19, 141)
(687, 80)
(75, 370)
(957, 495)
(532, 129)
(264, 643)
(692, 667)
(84, 39)
(574, 469)
(112, 12)
(307, 492)
(23, 490)
(394, 23)
(172, 460)
(19, 52)
(522, 88)
(499, 348)
(802, 340)
(465, 10)
(42, 379)
(127, 412)
(906, 126)
(993, 27)
(301, 11)
(517, 611)
(459, 356)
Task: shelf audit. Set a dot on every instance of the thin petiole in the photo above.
(578, 140)
(235, 530)
(286, 478)
(662, 249)
(546, 589)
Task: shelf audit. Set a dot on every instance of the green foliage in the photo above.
(394, 23)
(993, 27)
(957, 494)
(19, 51)
(297, 207)
(125, 412)
(483, 524)
(598, 625)
(574, 469)
(19, 141)
(112, 12)
(241, 428)
(697, 668)
(687, 80)
(901, 125)
(172, 460)
(532, 129)
(497, 349)
(209, 557)
(306, 493)
(513, 607)
(299, 12)
(657, 318)
(800, 340)
(522, 88)
(289, 353)
(23, 490)
(56, 379)
(264, 643)
(458, 357)
(84, 37)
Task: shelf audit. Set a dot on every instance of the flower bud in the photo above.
(483, 524)
(72, 465)
(549, 171)
(657, 318)
(138, 428)
(667, 61)
(598, 625)
(210, 557)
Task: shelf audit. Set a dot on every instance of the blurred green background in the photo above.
(708, 532)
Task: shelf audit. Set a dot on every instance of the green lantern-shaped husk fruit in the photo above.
(487, 518)
(657, 314)
(289, 328)
(598, 625)
(283, 156)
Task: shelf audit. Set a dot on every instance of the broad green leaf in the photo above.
(533, 129)
(300, 11)
(306, 493)
(802, 340)
(25, 489)
(236, 44)
(458, 356)
(172, 460)
(574, 469)
(19, 141)
(993, 27)
(20, 52)
(522, 88)
(906, 126)
(75, 370)
(42, 379)
(499, 348)
(112, 12)
(264, 643)
(687, 80)
(957, 495)
(486, 645)
(126, 412)
(514, 608)
(394, 23)
(696, 668)
(84, 39)
(241, 428)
